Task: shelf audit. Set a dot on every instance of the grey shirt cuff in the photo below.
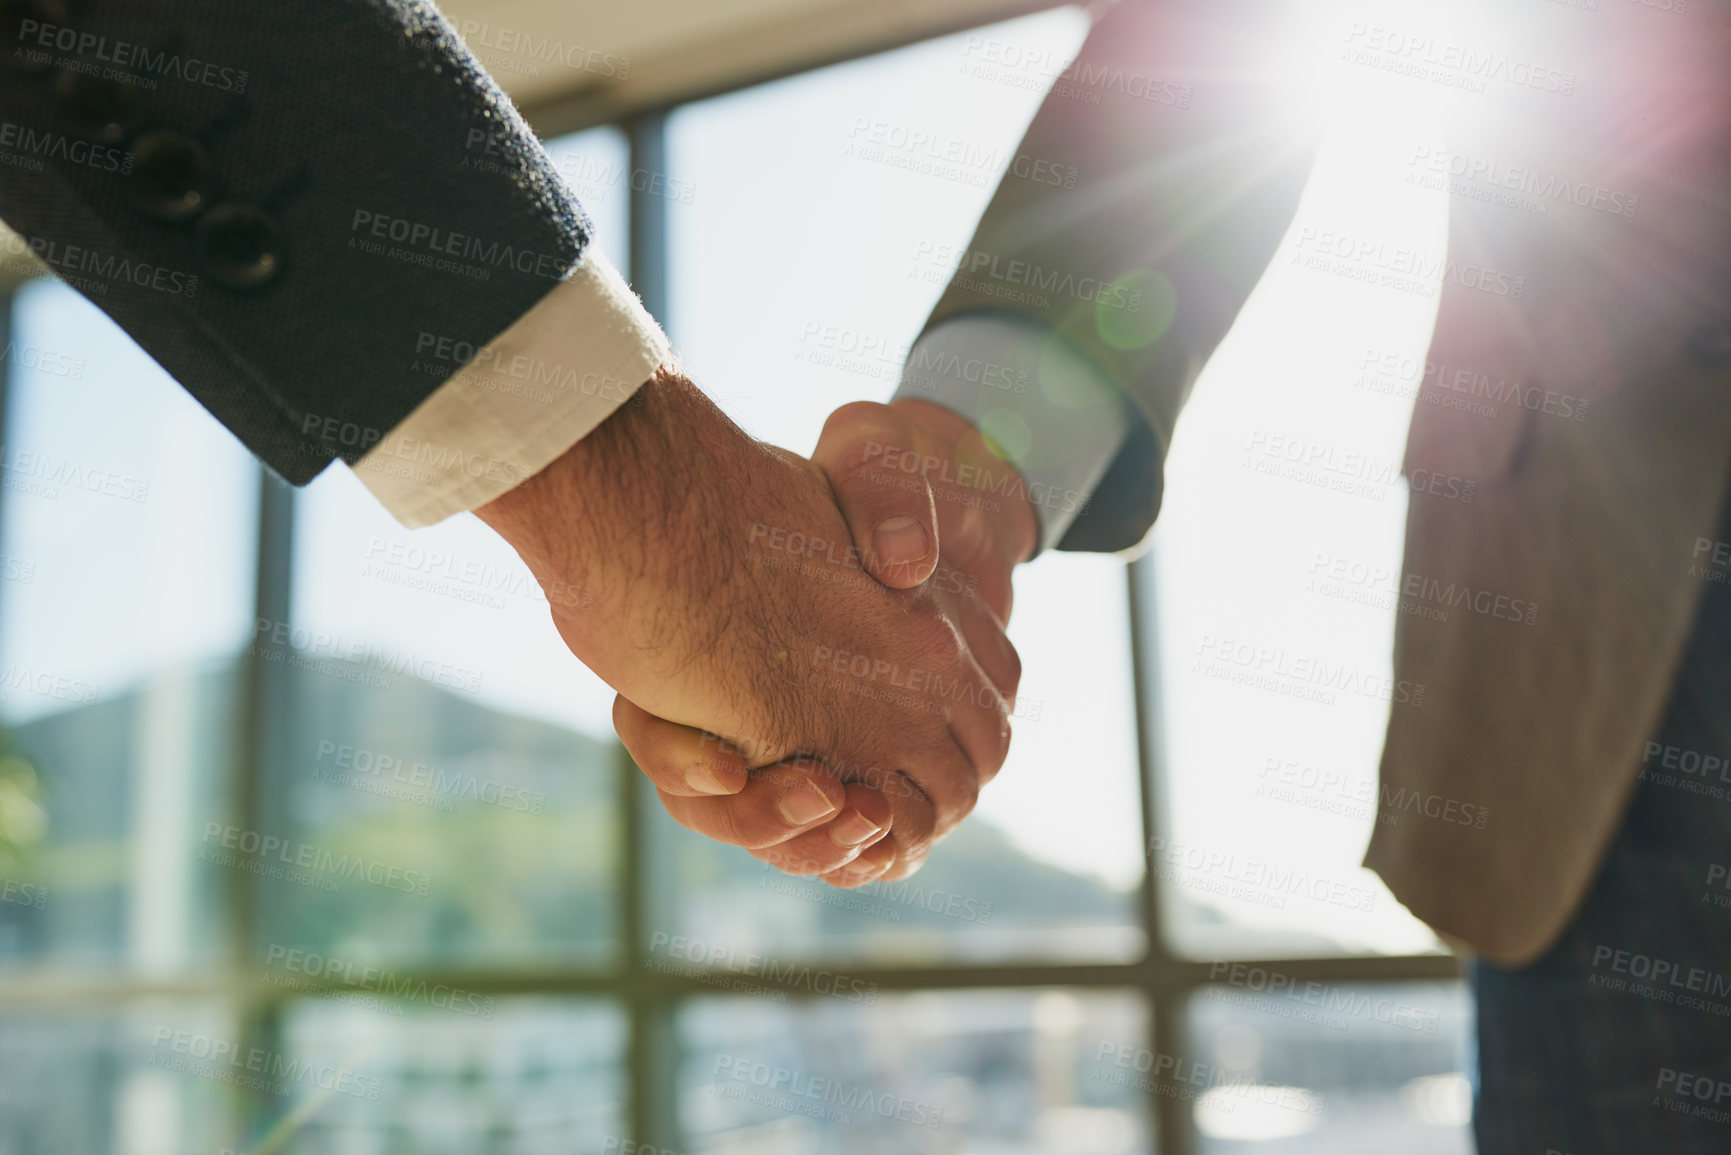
(1042, 405)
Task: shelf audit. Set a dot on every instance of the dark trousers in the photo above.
(1618, 1040)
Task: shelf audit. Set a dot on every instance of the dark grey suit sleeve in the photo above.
(1179, 160)
(283, 202)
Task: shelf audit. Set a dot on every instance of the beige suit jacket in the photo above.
(1180, 119)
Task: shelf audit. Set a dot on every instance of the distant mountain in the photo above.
(509, 824)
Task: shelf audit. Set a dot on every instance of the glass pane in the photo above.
(1041, 869)
(1007, 1072)
(154, 1079)
(428, 1077)
(128, 526)
(1291, 1067)
(596, 166)
(1275, 567)
(443, 786)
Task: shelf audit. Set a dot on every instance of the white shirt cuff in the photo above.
(519, 401)
(1042, 405)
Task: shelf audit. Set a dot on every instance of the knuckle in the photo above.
(967, 794)
(1012, 669)
(908, 862)
(958, 793)
(999, 752)
(660, 766)
(854, 435)
(934, 639)
(859, 416)
(732, 825)
(726, 828)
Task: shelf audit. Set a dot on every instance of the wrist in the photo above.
(620, 515)
(647, 521)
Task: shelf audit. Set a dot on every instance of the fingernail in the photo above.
(899, 540)
(705, 780)
(865, 866)
(804, 804)
(851, 829)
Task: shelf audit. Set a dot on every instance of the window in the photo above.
(200, 679)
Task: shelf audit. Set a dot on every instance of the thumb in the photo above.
(872, 457)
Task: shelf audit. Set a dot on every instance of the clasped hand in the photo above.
(810, 655)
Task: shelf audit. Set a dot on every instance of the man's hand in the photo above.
(929, 506)
(975, 511)
(719, 596)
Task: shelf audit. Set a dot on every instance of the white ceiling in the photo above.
(679, 49)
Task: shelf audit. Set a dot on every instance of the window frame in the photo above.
(650, 998)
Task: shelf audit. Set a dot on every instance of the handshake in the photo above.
(810, 655)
